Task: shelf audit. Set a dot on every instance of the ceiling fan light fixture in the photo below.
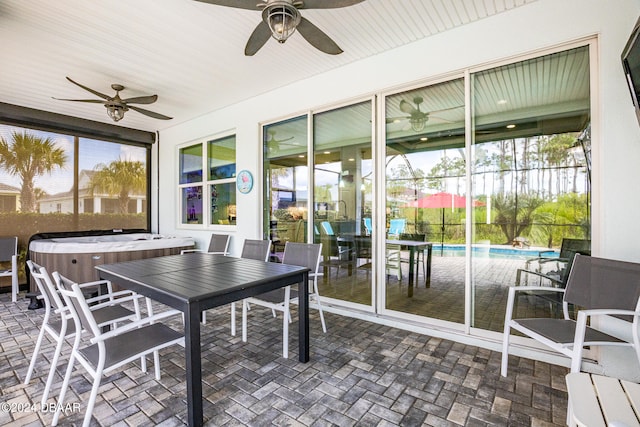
(417, 124)
(116, 112)
(282, 18)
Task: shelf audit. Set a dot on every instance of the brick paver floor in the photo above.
(360, 374)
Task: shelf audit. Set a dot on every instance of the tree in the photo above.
(28, 156)
(515, 215)
(120, 178)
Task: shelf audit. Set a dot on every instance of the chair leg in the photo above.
(285, 322)
(316, 295)
(92, 399)
(36, 351)
(244, 321)
(156, 363)
(505, 351)
(285, 333)
(233, 319)
(52, 370)
(324, 326)
(14, 279)
(65, 384)
(14, 287)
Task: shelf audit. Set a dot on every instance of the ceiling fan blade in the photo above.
(257, 39)
(406, 107)
(442, 119)
(396, 119)
(149, 113)
(238, 4)
(150, 99)
(88, 89)
(328, 4)
(317, 38)
(97, 101)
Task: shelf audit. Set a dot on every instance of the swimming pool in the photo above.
(486, 251)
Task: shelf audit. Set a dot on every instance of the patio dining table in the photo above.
(196, 282)
(414, 246)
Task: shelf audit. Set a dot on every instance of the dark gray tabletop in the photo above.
(211, 280)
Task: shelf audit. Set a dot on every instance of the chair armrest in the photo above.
(608, 312)
(97, 283)
(114, 297)
(534, 289)
(187, 251)
(135, 325)
(537, 273)
(544, 260)
(110, 302)
(541, 253)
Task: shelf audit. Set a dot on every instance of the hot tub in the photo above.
(75, 257)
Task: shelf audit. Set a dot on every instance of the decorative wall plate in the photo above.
(244, 181)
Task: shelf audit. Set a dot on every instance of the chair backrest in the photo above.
(8, 248)
(595, 283)
(397, 226)
(413, 237)
(326, 227)
(569, 247)
(75, 300)
(219, 243)
(45, 286)
(304, 255)
(368, 225)
(256, 249)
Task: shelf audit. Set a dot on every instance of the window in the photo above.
(218, 205)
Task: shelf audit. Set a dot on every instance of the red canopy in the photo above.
(442, 200)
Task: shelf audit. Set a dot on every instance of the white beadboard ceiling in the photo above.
(190, 53)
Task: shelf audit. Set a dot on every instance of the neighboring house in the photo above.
(89, 201)
(9, 198)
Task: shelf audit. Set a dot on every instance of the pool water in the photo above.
(490, 252)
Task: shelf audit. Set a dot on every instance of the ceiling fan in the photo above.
(418, 118)
(116, 106)
(281, 18)
(274, 145)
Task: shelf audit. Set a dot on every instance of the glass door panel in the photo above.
(425, 201)
(286, 183)
(343, 201)
(531, 178)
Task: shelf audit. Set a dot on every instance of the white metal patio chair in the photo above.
(9, 254)
(301, 254)
(251, 249)
(57, 321)
(110, 350)
(595, 287)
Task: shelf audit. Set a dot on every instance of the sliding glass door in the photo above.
(530, 168)
(474, 176)
(343, 202)
(425, 201)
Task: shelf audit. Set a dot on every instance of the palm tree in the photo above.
(120, 178)
(28, 156)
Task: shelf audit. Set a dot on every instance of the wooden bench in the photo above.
(596, 400)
